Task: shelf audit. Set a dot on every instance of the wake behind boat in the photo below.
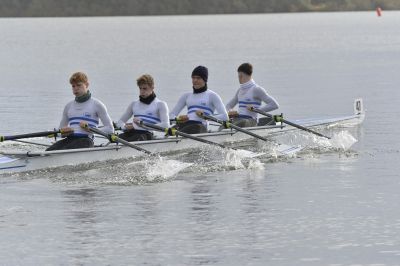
(12, 161)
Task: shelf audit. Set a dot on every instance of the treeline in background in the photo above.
(46, 8)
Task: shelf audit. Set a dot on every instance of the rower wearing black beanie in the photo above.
(202, 72)
(200, 100)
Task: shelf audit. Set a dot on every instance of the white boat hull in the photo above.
(17, 161)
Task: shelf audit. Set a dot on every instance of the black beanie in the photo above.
(201, 71)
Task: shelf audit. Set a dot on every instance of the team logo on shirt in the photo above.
(150, 113)
(203, 103)
(87, 114)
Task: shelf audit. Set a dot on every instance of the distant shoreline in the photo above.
(199, 14)
(98, 8)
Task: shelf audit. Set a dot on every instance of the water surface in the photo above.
(323, 207)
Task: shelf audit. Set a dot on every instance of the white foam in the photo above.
(164, 169)
(255, 164)
(343, 140)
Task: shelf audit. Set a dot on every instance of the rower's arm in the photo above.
(64, 119)
(179, 106)
(164, 116)
(232, 103)
(271, 103)
(125, 117)
(219, 107)
(105, 118)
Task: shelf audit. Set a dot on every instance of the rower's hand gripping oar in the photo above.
(115, 138)
(175, 132)
(49, 134)
(280, 119)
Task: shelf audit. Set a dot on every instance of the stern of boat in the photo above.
(359, 109)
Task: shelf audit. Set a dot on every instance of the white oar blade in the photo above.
(288, 150)
(248, 154)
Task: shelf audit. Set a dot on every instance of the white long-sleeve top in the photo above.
(251, 94)
(91, 112)
(154, 113)
(207, 102)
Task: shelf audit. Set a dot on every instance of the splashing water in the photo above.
(164, 169)
(342, 140)
(211, 159)
(255, 165)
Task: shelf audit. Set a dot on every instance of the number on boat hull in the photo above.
(358, 106)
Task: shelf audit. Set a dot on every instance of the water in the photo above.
(323, 207)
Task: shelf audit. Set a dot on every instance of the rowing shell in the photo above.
(20, 161)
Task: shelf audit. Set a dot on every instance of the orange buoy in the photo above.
(379, 11)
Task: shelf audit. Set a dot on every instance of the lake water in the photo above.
(323, 207)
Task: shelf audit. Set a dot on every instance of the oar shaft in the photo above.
(117, 139)
(183, 134)
(290, 123)
(30, 135)
(234, 127)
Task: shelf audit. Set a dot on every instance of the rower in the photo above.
(148, 109)
(84, 111)
(201, 101)
(249, 95)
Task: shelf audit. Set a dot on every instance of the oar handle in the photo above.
(31, 135)
(281, 119)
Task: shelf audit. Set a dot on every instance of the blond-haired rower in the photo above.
(148, 109)
(83, 110)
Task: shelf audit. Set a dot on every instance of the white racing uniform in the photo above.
(207, 102)
(89, 111)
(154, 113)
(251, 94)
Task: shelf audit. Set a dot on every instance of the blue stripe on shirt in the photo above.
(83, 118)
(200, 107)
(78, 123)
(148, 121)
(151, 117)
(194, 111)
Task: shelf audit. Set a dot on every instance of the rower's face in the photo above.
(243, 77)
(145, 90)
(198, 82)
(79, 88)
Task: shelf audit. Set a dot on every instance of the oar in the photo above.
(280, 119)
(31, 142)
(175, 132)
(230, 125)
(49, 134)
(115, 138)
(284, 149)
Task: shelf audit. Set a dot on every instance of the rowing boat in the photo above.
(20, 161)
